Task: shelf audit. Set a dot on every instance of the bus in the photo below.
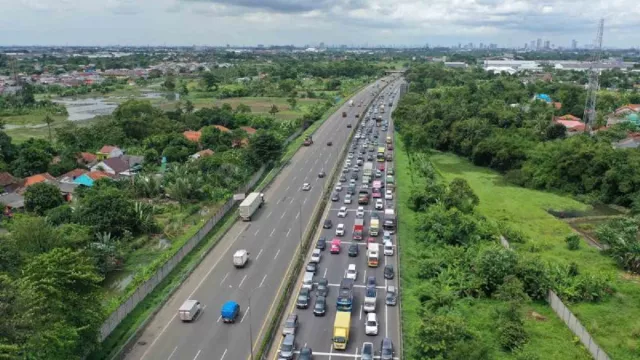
(380, 156)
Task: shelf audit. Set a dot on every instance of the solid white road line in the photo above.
(242, 281)
(223, 354)
(360, 312)
(245, 314)
(277, 255)
(263, 279)
(198, 354)
(259, 253)
(173, 352)
(224, 278)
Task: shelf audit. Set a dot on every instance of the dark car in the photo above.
(386, 349)
(322, 287)
(322, 243)
(354, 176)
(370, 158)
(303, 298)
(371, 281)
(349, 126)
(343, 178)
(353, 250)
(312, 267)
(367, 351)
(327, 224)
(335, 197)
(321, 174)
(305, 353)
(351, 190)
(320, 307)
(388, 272)
(329, 143)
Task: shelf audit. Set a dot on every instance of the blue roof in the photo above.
(634, 118)
(543, 97)
(84, 179)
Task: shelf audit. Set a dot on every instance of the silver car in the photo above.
(290, 325)
(288, 347)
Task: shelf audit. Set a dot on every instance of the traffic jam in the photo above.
(347, 302)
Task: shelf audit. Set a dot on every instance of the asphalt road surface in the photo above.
(271, 239)
(316, 332)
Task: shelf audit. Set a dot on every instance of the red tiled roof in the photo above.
(572, 125)
(567, 117)
(248, 129)
(88, 157)
(7, 179)
(632, 107)
(192, 135)
(205, 152)
(73, 174)
(107, 149)
(35, 179)
(557, 105)
(221, 128)
(97, 175)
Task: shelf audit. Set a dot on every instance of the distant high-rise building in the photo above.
(459, 45)
(538, 44)
(533, 45)
(493, 46)
(526, 45)
(546, 44)
(322, 45)
(481, 46)
(470, 45)
(574, 44)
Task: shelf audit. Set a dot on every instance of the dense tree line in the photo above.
(456, 259)
(23, 101)
(493, 121)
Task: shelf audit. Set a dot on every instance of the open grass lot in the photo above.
(37, 117)
(614, 322)
(549, 338)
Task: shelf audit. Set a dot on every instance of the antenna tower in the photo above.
(594, 75)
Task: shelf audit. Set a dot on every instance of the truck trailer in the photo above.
(250, 204)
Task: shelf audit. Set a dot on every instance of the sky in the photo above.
(309, 22)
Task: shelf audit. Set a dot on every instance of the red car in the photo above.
(389, 147)
(335, 246)
(371, 239)
(381, 167)
(376, 194)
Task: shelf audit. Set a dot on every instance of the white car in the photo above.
(306, 187)
(371, 324)
(360, 212)
(350, 156)
(339, 187)
(316, 255)
(379, 204)
(347, 163)
(388, 195)
(356, 169)
(352, 273)
(347, 199)
(340, 230)
(342, 213)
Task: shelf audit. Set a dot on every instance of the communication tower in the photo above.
(594, 75)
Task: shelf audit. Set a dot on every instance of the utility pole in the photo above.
(594, 77)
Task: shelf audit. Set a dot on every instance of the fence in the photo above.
(575, 326)
(148, 286)
(570, 320)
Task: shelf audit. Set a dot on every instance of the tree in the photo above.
(210, 80)
(107, 210)
(60, 215)
(184, 90)
(461, 196)
(439, 335)
(188, 106)
(169, 83)
(60, 305)
(33, 234)
(573, 241)
(243, 109)
(263, 148)
(274, 110)
(292, 102)
(41, 197)
(31, 160)
(555, 131)
(49, 120)
(493, 265)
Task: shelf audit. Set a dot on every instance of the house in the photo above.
(89, 178)
(202, 154)
(11, 202)
(108, 152)
(114, 166)
(572, 123)
(222, 128)
(192, 135)
(69, 177)
(86, 158)
(8, 182)
(66, 189)
(632, 141)
(626, 113)
(249, 130)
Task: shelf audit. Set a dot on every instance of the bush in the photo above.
(573, 241)
(534, 274)
(493, 265)
(511, 327)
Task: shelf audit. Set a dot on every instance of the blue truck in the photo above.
(230, 311)
(345, 295)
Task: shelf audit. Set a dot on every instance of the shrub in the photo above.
(511, 327)
(492, 265)
(573, 241)
(534, 274)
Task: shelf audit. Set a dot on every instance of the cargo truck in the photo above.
(345, 296)
(389, 223)
(341, 330)
(250, 204)
(367, 169)
(374, 227)
(370, 300)
(373, 254)
(358, 229)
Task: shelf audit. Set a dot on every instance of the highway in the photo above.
(316, 332)
(271, 239)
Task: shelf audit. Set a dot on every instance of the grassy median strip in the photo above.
(548, 336)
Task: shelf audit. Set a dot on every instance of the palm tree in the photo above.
(49, 120)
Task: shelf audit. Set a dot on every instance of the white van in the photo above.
(189, 310)
(240, 258)
(307, 281)
(388, 248)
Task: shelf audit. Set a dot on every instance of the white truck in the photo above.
(250, 204)
(382, 108)
(373, 253)
(370, 300)
(189, 310)
(240, 258)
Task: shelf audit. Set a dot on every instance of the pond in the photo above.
(88, 108)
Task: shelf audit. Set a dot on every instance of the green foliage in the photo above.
(33, 234)
(621, 235)
(460, 196)
(264, 148)
(440, 335)
(42, 197)
(511, 328)
(573, 241)
(493, 265)
(451, 226)
(107, 210)
(60, 215)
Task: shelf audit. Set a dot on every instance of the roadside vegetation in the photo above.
(463, 295)
(470, 114)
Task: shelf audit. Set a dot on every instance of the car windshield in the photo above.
(287, 347)
(371, 292)
(302, 297)
(290, 323)
(371, 323)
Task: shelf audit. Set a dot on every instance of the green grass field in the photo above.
(614, 322)
(549, 338)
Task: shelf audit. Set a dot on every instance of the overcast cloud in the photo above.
(308, 22)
